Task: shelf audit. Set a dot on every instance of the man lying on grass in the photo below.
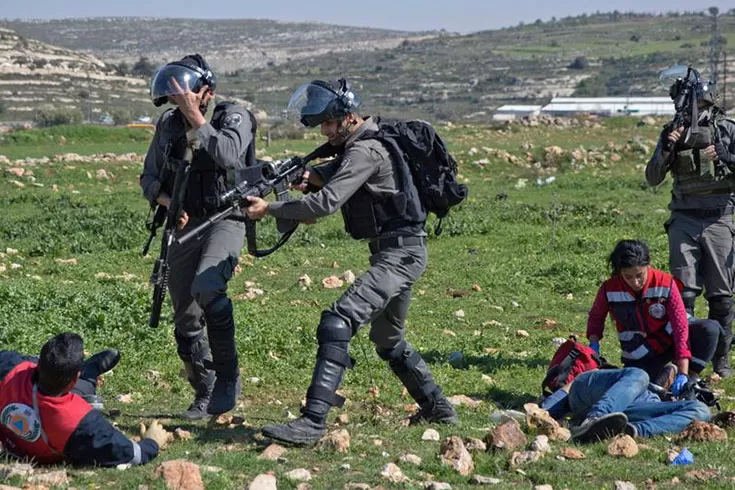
(43, 416)
(608, 402)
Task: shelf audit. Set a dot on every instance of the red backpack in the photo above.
(571, 359)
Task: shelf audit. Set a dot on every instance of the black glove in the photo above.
(723, 154)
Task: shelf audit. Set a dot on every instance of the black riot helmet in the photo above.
(683, 79)
(318, 101)
(189, 74)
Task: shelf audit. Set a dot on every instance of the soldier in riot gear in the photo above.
(701, 157)
(201, 269)
(379, 203)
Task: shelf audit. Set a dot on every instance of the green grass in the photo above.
(541, 247)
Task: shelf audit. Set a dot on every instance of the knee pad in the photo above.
(219, 308)
(720, 307)
(393, 353)
(333, 335)
(191, 349)
(689, 298)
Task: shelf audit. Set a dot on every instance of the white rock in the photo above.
(263, 482)
(541, 444)
(392, 473)
(299, 474)
(437, 485)
(430, 435)
(410, 459)
(624, 485)
(459, 313)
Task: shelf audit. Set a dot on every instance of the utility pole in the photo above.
(715, 47)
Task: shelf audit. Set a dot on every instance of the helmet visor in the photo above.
(173, 79)
(310, 104)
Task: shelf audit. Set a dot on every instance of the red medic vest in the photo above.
(35, 425)
(642, 320)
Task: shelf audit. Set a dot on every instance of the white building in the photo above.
(510, 112)
(610, 106)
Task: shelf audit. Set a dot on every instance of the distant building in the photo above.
(610, 106)
(510, 112)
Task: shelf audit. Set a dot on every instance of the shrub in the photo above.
(53, 116)
(579, 63)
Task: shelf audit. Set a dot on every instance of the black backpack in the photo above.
(433, 169)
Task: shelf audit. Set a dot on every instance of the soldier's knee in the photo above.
(333, 335)
(720, 306)
(333, 329)
(392, 353)
(689, 298)
(191, 347)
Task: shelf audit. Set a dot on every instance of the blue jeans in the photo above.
(600, 392)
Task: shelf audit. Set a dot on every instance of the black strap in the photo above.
(325, 395)
(396, 242)
(335, 354)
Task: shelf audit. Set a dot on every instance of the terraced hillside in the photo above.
(456, 77)
(439, 76)
(34, 74)
(229, 44)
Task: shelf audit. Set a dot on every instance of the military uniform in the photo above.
(380, 204)
(701, 227)
(200, 269)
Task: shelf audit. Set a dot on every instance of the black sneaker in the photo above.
(197, 410)
(593, 429)
(630, 430)
(435, 411)
(303, 431)
(100, 363)
(224, 395)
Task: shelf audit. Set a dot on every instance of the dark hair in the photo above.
(60, 361)
(629, 253)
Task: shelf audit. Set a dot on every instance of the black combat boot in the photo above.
(720, 309)
(416, 376)
(436, 410)
(221, 332)
(202, 380)
(100, 363)
(332, 360)
(97, 364)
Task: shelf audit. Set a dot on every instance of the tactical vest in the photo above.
(695, 174)
(32, 424)
(642, 321)
(207, 180)
(368, 216)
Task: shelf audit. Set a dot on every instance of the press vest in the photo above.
(33, 424)
(367, 216)
(694, 173)
(642, 320)
(207, 180)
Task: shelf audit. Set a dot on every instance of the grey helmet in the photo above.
(189, 74)
(318, 101)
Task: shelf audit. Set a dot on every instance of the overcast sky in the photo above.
(453, 15)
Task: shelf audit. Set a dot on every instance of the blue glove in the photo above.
(679, 384)
(595, 346)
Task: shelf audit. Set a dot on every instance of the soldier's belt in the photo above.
(396, 242)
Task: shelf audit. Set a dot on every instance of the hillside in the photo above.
(34, 74)
(433, 75)
(229, 44)
(455, 77)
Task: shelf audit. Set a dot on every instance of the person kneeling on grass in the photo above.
(608, 402)
(652, 324)
(44, 417)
